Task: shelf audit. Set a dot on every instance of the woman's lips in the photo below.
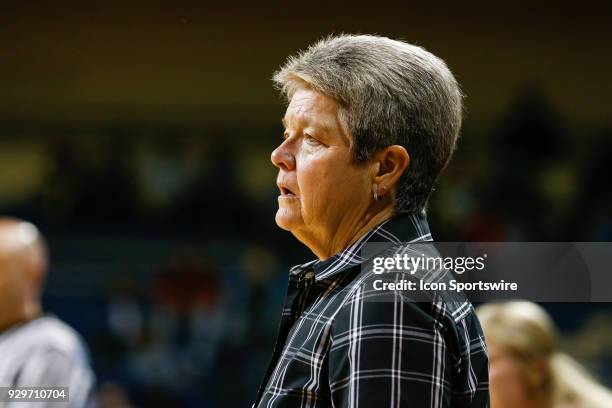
(286, 193)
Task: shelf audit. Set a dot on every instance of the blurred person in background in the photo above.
(527, 368)
(36, 350)
(371, 123)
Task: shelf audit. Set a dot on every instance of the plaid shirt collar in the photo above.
(411, 227)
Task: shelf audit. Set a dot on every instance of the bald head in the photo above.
(23, 264)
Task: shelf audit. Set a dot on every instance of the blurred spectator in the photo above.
(36, 350)
(527, 368)
(182, 331)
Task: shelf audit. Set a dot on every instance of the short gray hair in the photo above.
(389, 92)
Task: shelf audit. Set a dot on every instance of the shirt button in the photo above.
(309, 275)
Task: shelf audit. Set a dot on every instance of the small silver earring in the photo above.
(376, 192)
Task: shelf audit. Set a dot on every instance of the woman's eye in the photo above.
(311, 140)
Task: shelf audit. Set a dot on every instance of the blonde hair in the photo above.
(527, 332)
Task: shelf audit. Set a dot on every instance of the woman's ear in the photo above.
(392, 162)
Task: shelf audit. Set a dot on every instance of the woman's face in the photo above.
(507, 384)
(322, 190)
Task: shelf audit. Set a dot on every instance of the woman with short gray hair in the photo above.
(371, 123)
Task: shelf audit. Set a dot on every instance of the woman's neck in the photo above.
(347, 234)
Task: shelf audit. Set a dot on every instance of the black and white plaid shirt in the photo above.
(341, 343)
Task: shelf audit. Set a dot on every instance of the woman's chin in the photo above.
(287, 219)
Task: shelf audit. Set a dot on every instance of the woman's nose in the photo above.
(282, 158)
